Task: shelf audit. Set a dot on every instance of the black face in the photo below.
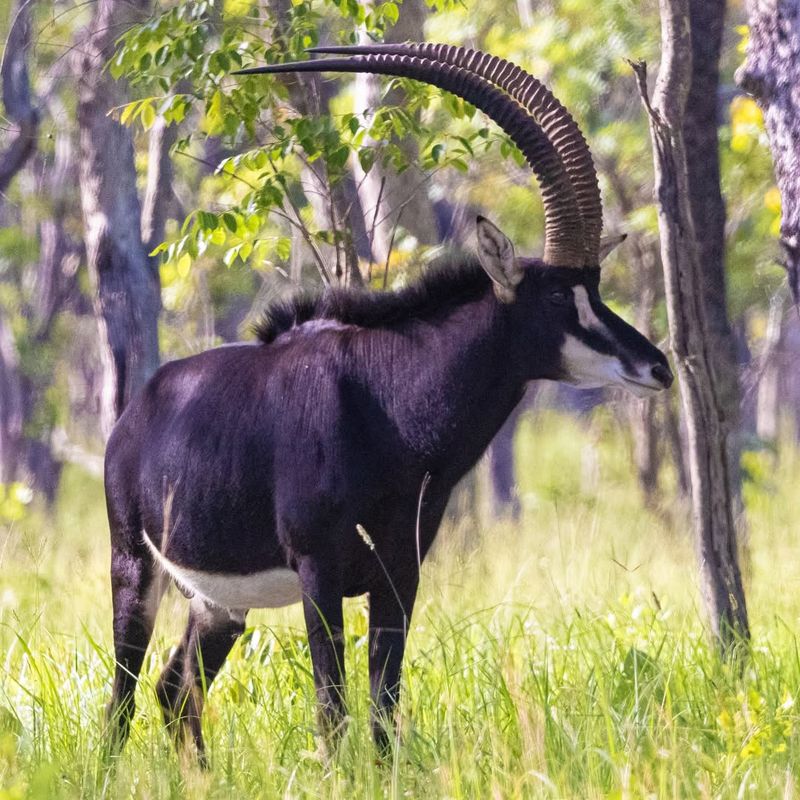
(590, 345)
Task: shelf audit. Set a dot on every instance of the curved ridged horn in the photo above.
(564, 235)
(531, 94)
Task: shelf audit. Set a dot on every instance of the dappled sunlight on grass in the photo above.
(562, 657)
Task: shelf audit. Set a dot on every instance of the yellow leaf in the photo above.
(745, 111)
(214, 121)
(772, 199)
(184, 264)
(168, 273)
(744, 33)
(237, 8)
(147, 115)
(740, 143)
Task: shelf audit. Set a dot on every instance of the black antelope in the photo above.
(249, 474)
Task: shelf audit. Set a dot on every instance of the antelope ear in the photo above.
(608, 243)
(496, 254)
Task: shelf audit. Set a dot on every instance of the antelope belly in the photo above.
(269, 588)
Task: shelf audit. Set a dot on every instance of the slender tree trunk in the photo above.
(712, 493)
(53, 280)
(159, 197)
(677, 444)
(644, 265)
(336, 206)
(391, 200)
(125, 279)
(790, 352)
(19, 107)
(771, 73)
(643, 412)
(504, 499)
(770, 370)
(525, 12)
(700, 124)
(10, 405)
(19, 146)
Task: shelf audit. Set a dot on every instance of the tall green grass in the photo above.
(562, 657)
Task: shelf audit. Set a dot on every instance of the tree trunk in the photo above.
(336, 207)
(771, 73)
(389, 199)
(20, 111)
(644, 266)
(159, 197)
(770, 370)
(714, 529)
(677, 441)
(24, 448)
(504, 499)
(19, 108)
(53, 280)
(10, 405)
(707, 18)
(125, 280)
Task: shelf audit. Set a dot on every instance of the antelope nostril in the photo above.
(662, 373)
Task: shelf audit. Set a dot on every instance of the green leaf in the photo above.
(230, 221)
(147, 115)
(366, 157)
(127, 113)
(283, 248)
(215, 119)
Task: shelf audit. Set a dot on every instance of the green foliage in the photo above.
(14, 497)
(565, 657)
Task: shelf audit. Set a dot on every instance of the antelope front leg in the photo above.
(389, 618)
(322, 607)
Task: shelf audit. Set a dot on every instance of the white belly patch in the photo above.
(270, 588)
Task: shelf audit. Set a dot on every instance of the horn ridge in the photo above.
(538, 101)
(563, 223)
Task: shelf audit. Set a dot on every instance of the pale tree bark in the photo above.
(336, 207)
(707, 18)
(160, 202)
(125, 279)
(712, 491)
(391, 200)
(771, 73)
(525, 12)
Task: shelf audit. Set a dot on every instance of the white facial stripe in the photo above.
(586, 316)
(270, 588)
(589, 368)
(586, 367)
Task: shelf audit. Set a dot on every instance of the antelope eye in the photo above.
(559, 297)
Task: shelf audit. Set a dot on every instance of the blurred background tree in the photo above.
(236, 190)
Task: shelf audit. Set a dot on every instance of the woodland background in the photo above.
(256, 185)
(151, 206)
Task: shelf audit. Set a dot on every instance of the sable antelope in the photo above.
(245, 472)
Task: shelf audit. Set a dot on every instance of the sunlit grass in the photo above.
(563, 657)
